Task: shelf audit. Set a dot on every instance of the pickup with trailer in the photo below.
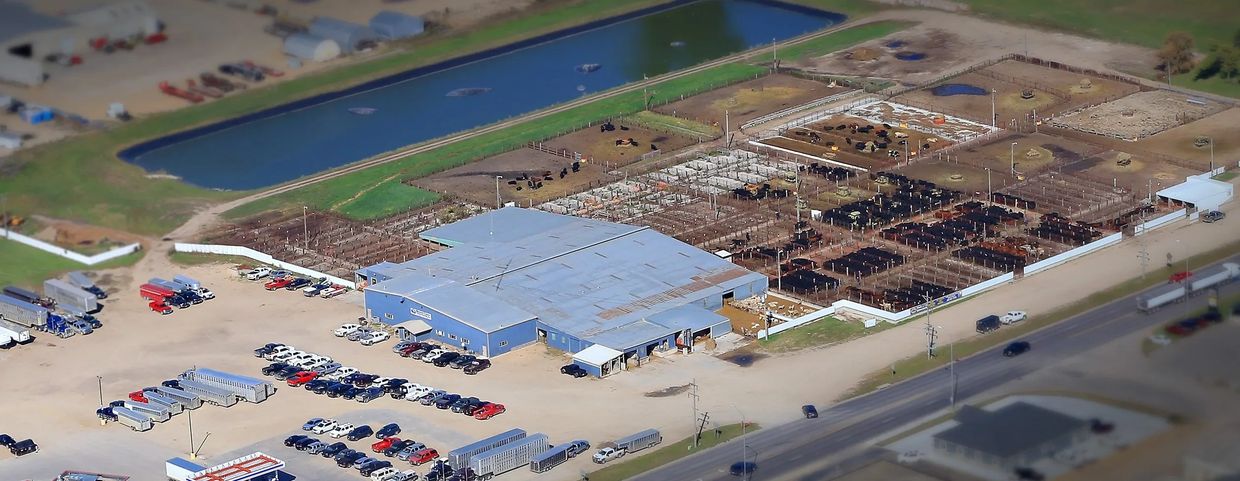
(628, 444)
(558, 455)
(79, 279)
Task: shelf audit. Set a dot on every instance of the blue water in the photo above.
(910, 56)
(957, 89)
(310, 136)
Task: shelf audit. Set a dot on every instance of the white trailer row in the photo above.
(508, 457)
(1199, 282)
(459, 458)
(135, 420)
(156, 412)
(210, 394)
(187, 399)
(245, 387)
(173, 406)
(66, 294)
(22, 312)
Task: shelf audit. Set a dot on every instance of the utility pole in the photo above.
(1012, 157)
(931, 331)
(694, 396)
(100, 379)
(305, 228)
(1211, 139)
(499, 204)
(727, 134)
(994, 117)
(190, 416)
(990, 192)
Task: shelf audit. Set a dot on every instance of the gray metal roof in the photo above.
(18, 20)
(592, 279)
(393, 25)
(471, 306)
(688, 316)
(1009, 430)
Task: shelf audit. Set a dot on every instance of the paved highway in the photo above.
(784, 452)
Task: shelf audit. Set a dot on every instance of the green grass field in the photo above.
(822, 332)
(666, 453)
(388, 198)
(919, 363)
(28, 267)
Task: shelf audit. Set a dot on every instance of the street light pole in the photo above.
(1012, 158)
(305, 228)
(993, 115)
(1211, 155)
(100, 379)
(499, 204)
(990, 194)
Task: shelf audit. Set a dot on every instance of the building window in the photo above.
(439, 333)
(452, 336)
(388, 316)
(503, 344)
(551, 336)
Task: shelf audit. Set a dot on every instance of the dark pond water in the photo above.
(335, 129)
(910, 56)
(957, 89)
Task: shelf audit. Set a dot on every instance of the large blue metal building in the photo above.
(516, 276)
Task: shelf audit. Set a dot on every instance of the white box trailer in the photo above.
(188, 281)
(1161, 296)
(557, 455)
(459, 458)
(1213, 277)
(12, 333)
(247, 388)
(22, 312)
(188, 400)
(173, 406)
(66, 294)
(213, 395)
(508, 457)
(135, 420)
(156, 412)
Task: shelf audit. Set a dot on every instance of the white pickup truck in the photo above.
(608, 454)
(258, 273)
(1013, 317)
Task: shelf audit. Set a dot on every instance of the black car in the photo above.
(172, 383)
(447, 400)
(297, 283)
(368, 394)
(574, 371)
(333, 449)
(388, 431)
(336, 389)
(373, 466)
(809, 411)
(393, 385)
(346, 459)
(360, 432)
(317, 386)
(22, 448)
(6, 440)
(352, 392)
(362, 379)
(462, 403)
(1016, 348)
(273, 368)
(288, 372)
(743, 468)
(446, 358)
(462, 361)
(988, 323)
(304, 443)
(396, 447)
(473, 406)
(294, 439)
(476, 366)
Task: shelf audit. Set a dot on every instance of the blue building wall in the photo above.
(593, 370)
(511, 337)
(393, 309)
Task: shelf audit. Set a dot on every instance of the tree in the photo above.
(1228, 59)
(1176, 53)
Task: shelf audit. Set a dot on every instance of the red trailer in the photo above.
(155, 293)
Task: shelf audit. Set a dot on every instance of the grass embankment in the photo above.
(668, 453)
(822, 332)
(667, 123)
(81, 179)
(28, 267)
(324, 195)
(1140, 22)
(918, 364)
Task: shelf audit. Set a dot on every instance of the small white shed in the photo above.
(310, 47)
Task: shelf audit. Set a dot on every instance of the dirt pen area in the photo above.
(612, 148)
(1187, 142)
(749, 100)
(915, 55)
(969, 96)
(475, 181)
(339, 246)
(1139, 115)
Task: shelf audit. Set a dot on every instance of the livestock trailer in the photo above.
(66, 294)
(156, 412)
(187, 399)
(135, 420)
(22, 312)
(459, 458)
(211, 394)
(508, 457)
(1161, 296)
(247, 388)
(173, 406)
(1213, 276)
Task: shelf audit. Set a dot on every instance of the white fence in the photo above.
(987, 284)
(1161, 221)
(68, 254)
(1072, 254)
(800, 108)
(260, 257)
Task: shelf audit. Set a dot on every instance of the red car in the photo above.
(489, 411)
(302, 378)
(423, 456)
(138, 396)
(384, 444)
(160, 307)
(278, 283)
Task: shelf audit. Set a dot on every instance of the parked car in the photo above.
(423, 456)
(312, 423)
(297, 283)
(346, 459)
(318, 386)
(324, 427)
(364, 380)
(159, 307)
(359, 334)
(1213, 216)
(988, 324)
(337, 389)
(462, 361)
(346, 329)
(368, 395)
(294, 439)
(430, 356)
(266, 349)
(489, 411)
(433, 397)
(301, 378)
(304, 443)
(333, 291)
(383, 444)
(416, 392)
(462, 403)
(375, 338)
(273, 368)
(388, 430)
(1013, 317)
(351, 392)
(360, 432)
(445, 401)
(328, 368)
(574, 371)
(476, 366)
(1016, 348)
(393, 385)
(383, 474)
(258, 273)
(400, 346)
(809, 411)
(397, 447)
(369, 468)
(409, 349)
(314, 290)
(333, 449)
(446, 358)
(287, 372)
(340, 430)
(316, 447)
(277, 283)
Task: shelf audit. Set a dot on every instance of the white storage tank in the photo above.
(310, 47)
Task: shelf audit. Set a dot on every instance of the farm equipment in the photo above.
(174, 91)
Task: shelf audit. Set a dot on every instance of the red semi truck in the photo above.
(162, 295)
